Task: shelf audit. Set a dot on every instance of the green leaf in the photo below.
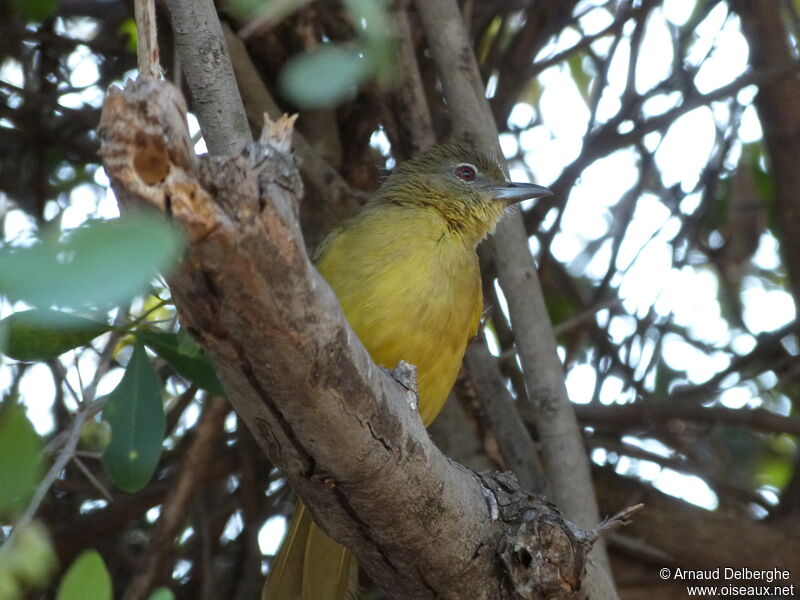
(128, 29)
(95, 436)
(188, 359)
(30, 558)
(135, 411)
(98, 263)
(41, 334)
(324, 76)
(765, 186)
(560, 308)
(36, 10)
(371, 18)
(380, 56)
(162, 593)
(376, 32)
(20, 458)
(774, 472)
(86, 579)
(531, 92)
(187, 344)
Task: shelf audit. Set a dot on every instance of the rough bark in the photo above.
(207, 65)
(420, 524)
(328, 199)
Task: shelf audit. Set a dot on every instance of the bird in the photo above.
(405, 271)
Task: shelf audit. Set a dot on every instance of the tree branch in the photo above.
(302, 381)
(778, 107)
(565, 457)
(641, 415)
(328, 198)
(147, 42)
(513, 438)
(695, 538)
(413, 116)
(207, 65)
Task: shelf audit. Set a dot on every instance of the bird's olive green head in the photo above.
(465, 186)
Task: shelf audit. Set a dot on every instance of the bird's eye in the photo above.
(465, 173)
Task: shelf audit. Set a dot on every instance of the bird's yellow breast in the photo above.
(411, 290)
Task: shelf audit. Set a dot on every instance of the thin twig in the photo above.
(66, 453)
(147, 42)
(175, 508)
(88, 405)
(681, 464)
(92, 479)
(572, 322)
(621, 519)
(89, 454)
(61, 378)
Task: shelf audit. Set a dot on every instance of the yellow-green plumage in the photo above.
(417, 302)
(406, 274)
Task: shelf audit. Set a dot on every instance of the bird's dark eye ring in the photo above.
(465, 173)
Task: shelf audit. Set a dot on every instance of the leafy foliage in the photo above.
(20, 461)
(135, 411)
(42, 334)
(36, 10)
(98, 263)
(324, 76)
(27, 561)
(162, 594)
(334, 72)
(86, 579)
(185, 356)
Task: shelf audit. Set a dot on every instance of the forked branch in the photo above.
(346, 435)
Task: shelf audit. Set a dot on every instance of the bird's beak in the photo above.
(511, 192)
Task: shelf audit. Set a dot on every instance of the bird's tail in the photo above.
(310, 565)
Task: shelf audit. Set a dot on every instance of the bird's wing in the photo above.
(323, 246)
